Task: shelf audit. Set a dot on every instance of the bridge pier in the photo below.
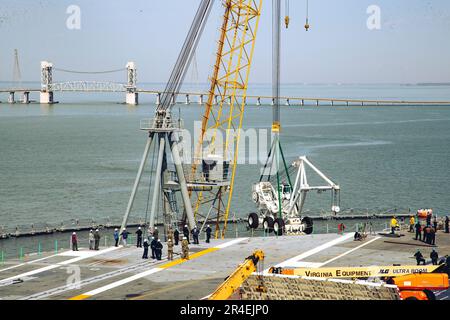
(46, 94)
(158, 99)
(200, 100)
(11, 97)
(188, 100)
(26, 97)
(46, 97)
(303, 102)
(287, 102)
(258, 101)
(132, 98)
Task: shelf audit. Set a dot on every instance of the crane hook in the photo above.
(307, 15)
(286, 18)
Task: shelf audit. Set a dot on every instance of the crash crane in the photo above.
(280, 206)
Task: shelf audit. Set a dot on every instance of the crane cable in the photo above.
(287, 17)
(185, 57)
(307, 16)
(89, 72)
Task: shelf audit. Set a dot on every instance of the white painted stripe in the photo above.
(29, 262)
(122, 282)
(306, 264)
(315, 250)
(230, 243)
(350, 251)
(148, 272)
(54, 266)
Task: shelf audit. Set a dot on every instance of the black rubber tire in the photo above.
(308, 222)
(278, 226)
(430, 294)
(253, 220)
(269, 221)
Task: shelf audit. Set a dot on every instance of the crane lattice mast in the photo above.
(224, 109)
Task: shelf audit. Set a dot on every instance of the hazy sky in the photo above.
(413, 44)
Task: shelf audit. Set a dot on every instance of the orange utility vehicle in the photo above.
(421, 286)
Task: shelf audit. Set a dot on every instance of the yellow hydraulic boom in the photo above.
(235, 280)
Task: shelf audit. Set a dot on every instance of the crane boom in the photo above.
(224, 111)
(235, 280)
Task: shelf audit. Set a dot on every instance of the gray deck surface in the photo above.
(198, 277)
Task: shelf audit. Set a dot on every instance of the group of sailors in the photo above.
(173, 239)
(434, 256)
(427, 233)
(94, 240)
(152, 242)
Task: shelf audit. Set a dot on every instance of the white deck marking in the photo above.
(54, 266)
(350, 251)
(315, 250)
(230, 243)
(306, 264)
(148, 272)
(29, 262)
(122, 282)
(295, 263)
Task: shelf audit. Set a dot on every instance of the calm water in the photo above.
(79, 158)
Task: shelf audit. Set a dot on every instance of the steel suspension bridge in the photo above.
(132, 91)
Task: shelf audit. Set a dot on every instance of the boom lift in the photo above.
(415, 283)
(414, 286)
(421, 286)
(235, 280)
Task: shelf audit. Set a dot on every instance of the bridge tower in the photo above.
(131, 95)
(17, 76)
(46, 94)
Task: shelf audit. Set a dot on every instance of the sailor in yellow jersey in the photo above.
(412, 222)
(394, 224)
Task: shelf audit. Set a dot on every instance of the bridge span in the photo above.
(48, 87)
(187, 98)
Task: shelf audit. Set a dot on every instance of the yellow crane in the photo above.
(224, 111)
(235, 280)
